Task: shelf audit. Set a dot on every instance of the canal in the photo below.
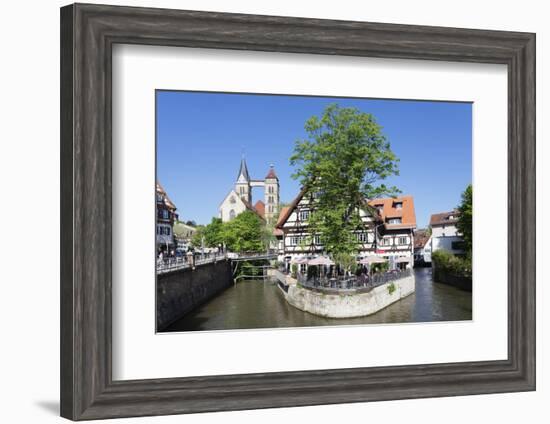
(258, 304)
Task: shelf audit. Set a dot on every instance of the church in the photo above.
(239, 199)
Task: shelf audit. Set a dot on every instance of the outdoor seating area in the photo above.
(359, 283)
(321, 273)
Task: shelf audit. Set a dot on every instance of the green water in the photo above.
(258, 304)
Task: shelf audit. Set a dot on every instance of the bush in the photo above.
(382, 267)
(391, 288)
(448, 263)
(294, 270)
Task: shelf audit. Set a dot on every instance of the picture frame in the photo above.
(88, 33)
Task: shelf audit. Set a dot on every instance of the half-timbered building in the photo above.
(166, 215)
(387, 230)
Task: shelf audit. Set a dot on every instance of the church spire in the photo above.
(243, 172)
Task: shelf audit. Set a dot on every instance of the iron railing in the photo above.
(351, 284)
(182, 262)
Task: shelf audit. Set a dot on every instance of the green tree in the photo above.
(245, 233)
(211, 233)
(342, 162)
(464, 224)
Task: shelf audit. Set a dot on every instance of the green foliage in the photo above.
(250, 268)
(211, 233)
(342, 161)
(294, 270)
(245, 233)
(391, 288)
(381, 267)
(464, 224)
(346, 261)
(454, 265)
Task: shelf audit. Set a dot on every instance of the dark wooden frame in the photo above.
(88, 33)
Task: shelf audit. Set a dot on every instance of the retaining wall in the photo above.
(349, 305)
(179, 292)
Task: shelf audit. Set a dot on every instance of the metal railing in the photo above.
(351, 284)
(182, 262)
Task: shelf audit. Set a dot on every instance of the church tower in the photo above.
(271, 196)
(242, 185)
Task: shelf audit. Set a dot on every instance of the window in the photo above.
(317, 239)
(402, 240)
(165, 214)
(304, 215)
(457, 245)
(270, 208)
(270, 190)
(394, 221)
(270, 199)
(295, 240)
(361, 237)
(159, 197)
(232, 199)
(398, 205)
(231, 214)
(385, 242)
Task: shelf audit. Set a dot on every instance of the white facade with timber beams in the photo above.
(388, 229)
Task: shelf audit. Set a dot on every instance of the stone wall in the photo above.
(459, 281)
(349, 305)
(179, 292)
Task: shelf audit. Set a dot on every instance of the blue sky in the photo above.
(201, 136)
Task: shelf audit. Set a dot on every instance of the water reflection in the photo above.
(255, 304)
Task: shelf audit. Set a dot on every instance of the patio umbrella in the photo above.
(369, 260)
(320, 260)
(402, 260)
(299, 261)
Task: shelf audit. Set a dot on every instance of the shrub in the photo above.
(383, 267)
(294, 270)
(448, 263)
(391, 288)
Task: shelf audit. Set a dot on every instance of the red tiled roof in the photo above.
(252, 208)
(389, 210)
(421, 237)
(260, 208)
(283, 215)
(443, 218)
(271, 173)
